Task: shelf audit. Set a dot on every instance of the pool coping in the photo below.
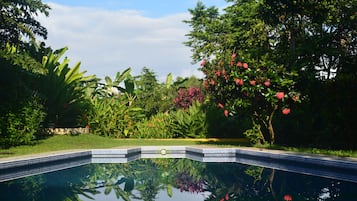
(321, 165)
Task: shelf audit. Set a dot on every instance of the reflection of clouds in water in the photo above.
(325, 194)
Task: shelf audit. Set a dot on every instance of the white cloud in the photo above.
(107, 41)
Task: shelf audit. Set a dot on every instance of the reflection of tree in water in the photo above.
(148, 179)
(144, 179)
(57, 186)
(187, 183)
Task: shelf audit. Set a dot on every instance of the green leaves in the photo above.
(113, 87)
(114, 117)
(241, 88)
(157, 126)
(190, 123)
(64, 89)
(20, 125)
(18, 19)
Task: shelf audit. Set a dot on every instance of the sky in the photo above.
(109, 36)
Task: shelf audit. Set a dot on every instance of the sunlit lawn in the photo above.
(88, 141)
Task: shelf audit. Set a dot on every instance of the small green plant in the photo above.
(190, 122)
(20, 125)
(158, 126)
(113, 112)
(114, 117)
(255, 134)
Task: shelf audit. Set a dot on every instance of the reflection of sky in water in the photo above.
(162, 196)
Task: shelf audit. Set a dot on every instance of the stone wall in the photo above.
(66, 131)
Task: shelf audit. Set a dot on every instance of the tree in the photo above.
(232, 85)
(21, 109)
(153, 97)
(259, 91)
(18, 22)
(204, 38)
(318, 36)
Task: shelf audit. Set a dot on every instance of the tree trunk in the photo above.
(271, 181)
(270, 127)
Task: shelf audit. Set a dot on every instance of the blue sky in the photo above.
(149, 8)
(108, 36)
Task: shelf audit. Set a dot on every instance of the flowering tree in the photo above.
(258, 90)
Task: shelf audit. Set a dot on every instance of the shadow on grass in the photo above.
(240, 142)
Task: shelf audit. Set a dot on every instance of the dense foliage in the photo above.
(18, 21)
(258, 91)
(21, 108)
(63, 89)
(315, 40)
(259, 58)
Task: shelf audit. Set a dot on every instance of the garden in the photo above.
(276, 73)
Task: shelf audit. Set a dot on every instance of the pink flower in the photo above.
(234, 55)
(286, 111)
(252, 82)
(227, 197)
(239, 64)
(280, 95)
(212, 82)
(204, 83)
(203, 62)
(224, 72)
(245, 65)
(220, 105)
(267, 83)
(218, 73)
(221, 199)
(288, 198)
(226, 113)
(238, 81)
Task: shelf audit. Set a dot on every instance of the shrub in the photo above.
(190, 122)
(186, 97)
(158, 126)
(19, 125)
(114, 117)
(222, 127)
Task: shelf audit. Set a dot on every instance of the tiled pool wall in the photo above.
(330, 167)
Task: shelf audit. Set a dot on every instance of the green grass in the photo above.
(312, 150)
(88, 141)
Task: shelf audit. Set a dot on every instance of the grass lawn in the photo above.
(88, 141)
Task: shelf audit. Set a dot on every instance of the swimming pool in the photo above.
(178, 173)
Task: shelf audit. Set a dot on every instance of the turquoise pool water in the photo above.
(168, 179)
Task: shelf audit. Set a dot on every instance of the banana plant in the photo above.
(113, 87)
(63, 88)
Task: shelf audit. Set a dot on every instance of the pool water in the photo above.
(176, 180)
